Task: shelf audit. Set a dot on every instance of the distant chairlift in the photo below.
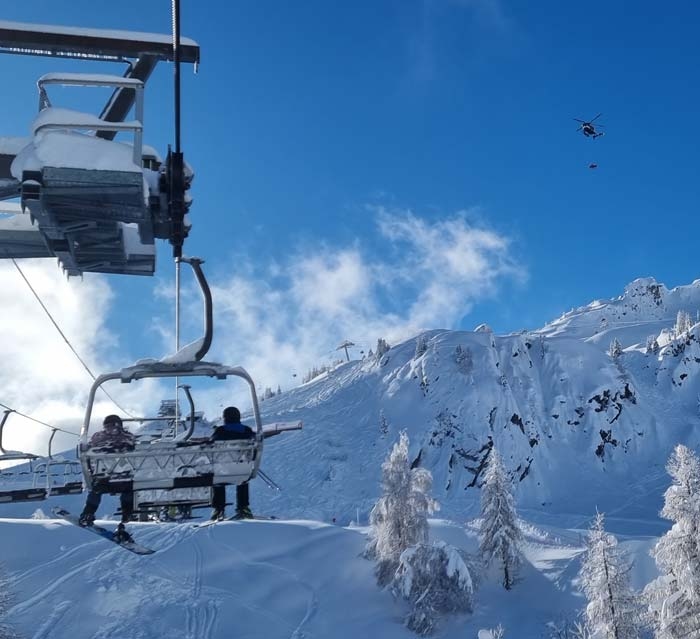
(166, 471)
(61, 476)
(17, 482)
(50, 477)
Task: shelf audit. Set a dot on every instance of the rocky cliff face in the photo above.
(578, 427)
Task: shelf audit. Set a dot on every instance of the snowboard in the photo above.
(102, 532)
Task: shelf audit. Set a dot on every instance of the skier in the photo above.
(112, 437)
(231, 429)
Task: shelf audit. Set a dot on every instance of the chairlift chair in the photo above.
(171, 463)
(61, 476)
(18, 484)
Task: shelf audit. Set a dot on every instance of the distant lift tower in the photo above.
(95, 204)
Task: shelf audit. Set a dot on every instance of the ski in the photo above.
(132, 546)
(211, 522)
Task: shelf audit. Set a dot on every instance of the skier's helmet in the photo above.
(113, 422)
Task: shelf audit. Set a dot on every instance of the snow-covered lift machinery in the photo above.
(95, 204)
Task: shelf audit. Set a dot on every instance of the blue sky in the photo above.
(325, 136)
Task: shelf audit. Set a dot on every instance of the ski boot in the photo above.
(218, 515)
(86, 518)
(243, 513)
(121, 536)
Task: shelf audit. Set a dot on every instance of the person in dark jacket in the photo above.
(231, 429)
(112, 438)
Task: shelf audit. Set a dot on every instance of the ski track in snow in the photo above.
(312, 604)
(52, 620)
(200, 620)
(54, 584)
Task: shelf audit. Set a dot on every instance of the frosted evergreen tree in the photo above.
(463, 359)
(421, 346)
(652, 345)
(399, 519)
(615, 349)
(383, 423)
(382, 348)
(674, 597)
(5, 601)
(683, 323)
(612, 611)
(500, 536)
(435, 581)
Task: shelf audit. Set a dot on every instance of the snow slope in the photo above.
(578, 429)
(253, 579)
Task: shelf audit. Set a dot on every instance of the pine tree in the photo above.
(499, 534)
(674, 597)
(382, 348)
(463, 359)
(612, 611)
(683, 323)
(5, 601)
(421, 346)
(615, 349)
(399, 519)
(435, 580)
(383, 423)
(652, 345)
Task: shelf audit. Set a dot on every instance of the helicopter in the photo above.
(588, 129)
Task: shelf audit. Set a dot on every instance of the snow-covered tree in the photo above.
(382, 348)
(492, 633)
(652, 345)
(674, 597)
(612, 611)
(383, 423)
(463, 359)
(399, 519)
(499, 534)
(5, 601)
(683, 323)
(435, 580)
(615, 349)
(421, 346)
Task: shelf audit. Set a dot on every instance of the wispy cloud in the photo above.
(39, 375)
(282, 319)
(276, 319)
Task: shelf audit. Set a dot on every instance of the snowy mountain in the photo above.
(579, 425)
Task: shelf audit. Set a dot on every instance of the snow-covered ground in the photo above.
(265, 579)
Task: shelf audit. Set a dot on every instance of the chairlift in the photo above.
(96, 204)
(183, 462)
(61, 476)
(17, 483)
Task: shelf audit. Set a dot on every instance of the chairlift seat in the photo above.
(22, 494)
(168, 464)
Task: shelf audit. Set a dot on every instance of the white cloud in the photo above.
(288, 317)
(39, 375)
(276, 319)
